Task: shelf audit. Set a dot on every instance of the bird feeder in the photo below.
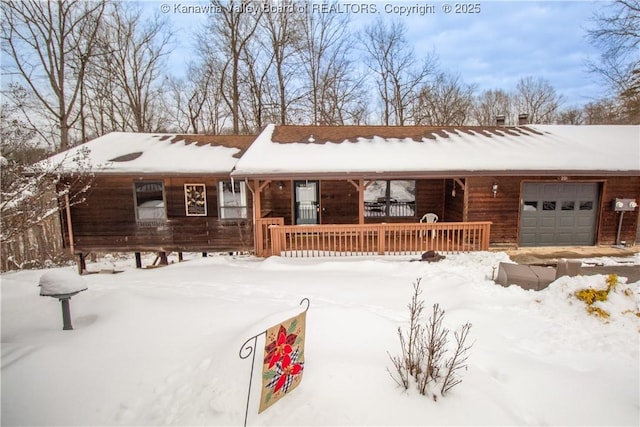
(62, 284)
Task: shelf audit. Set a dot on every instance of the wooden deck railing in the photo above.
(380, 239)
(262, 236)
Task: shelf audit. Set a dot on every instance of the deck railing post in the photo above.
(487, 235)
(274, 237)
(380, 229)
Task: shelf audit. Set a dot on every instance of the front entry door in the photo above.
(306, 202)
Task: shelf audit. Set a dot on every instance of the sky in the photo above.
(491, 44)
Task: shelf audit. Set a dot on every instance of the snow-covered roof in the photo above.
(327, 150)
(127, 152)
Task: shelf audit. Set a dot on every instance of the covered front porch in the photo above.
(342, 217)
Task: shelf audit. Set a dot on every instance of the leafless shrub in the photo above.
(400, 364)
(408, 363)
(423, 351)
(458, 361)
(434, 344)
(415, 331)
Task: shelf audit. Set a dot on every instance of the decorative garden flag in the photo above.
(283, 359)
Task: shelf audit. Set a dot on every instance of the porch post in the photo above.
(257, 205)
(67, 207)
(361, 201)
(82, 263)
(465, 209)
(258, 237)
(138, 260)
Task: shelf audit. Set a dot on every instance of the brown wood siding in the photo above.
(276, 202)
(338, 203)
(430, 197)
(502, 210)
(618, 187)
(453, 205)
(174, 192)
(106, 220)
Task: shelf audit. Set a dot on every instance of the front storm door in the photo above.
(306, 202)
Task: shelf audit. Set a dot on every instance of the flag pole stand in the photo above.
(249, 349)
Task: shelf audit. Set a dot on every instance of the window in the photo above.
(195, 199)
(548, 206)
(149, 199)
(568, 205)
(233, 199)
(395, 198)
(586, 206)
(530, 206)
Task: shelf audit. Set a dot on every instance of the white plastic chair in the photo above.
(429, 218)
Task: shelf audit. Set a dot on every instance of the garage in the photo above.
(559, 214)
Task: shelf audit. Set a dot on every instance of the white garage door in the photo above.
(559, 214)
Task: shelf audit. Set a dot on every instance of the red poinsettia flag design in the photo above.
(283, 359)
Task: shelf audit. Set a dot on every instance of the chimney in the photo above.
(500, 120)
(523, 119)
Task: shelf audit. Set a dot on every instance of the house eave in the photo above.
(154, 173)
(426, 174)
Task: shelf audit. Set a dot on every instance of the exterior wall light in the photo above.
(494, 189)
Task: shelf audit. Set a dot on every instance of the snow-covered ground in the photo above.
(160, 346)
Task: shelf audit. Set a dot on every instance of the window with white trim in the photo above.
(232, 197)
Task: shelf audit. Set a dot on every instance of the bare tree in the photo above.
(102, 106)
(489, 105)
(398, 73)
(603, 112)
(29, 193)
(133, 48)
(224, 39)
(50, 44)
(617, 34)
(343, 95)
(195, 103)
(571, 116)
(537, 98)
(281, 36)
(444, 102)
(630, 97)
(328, 71)
(177, 105)
(206, 102)
(257, 63)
